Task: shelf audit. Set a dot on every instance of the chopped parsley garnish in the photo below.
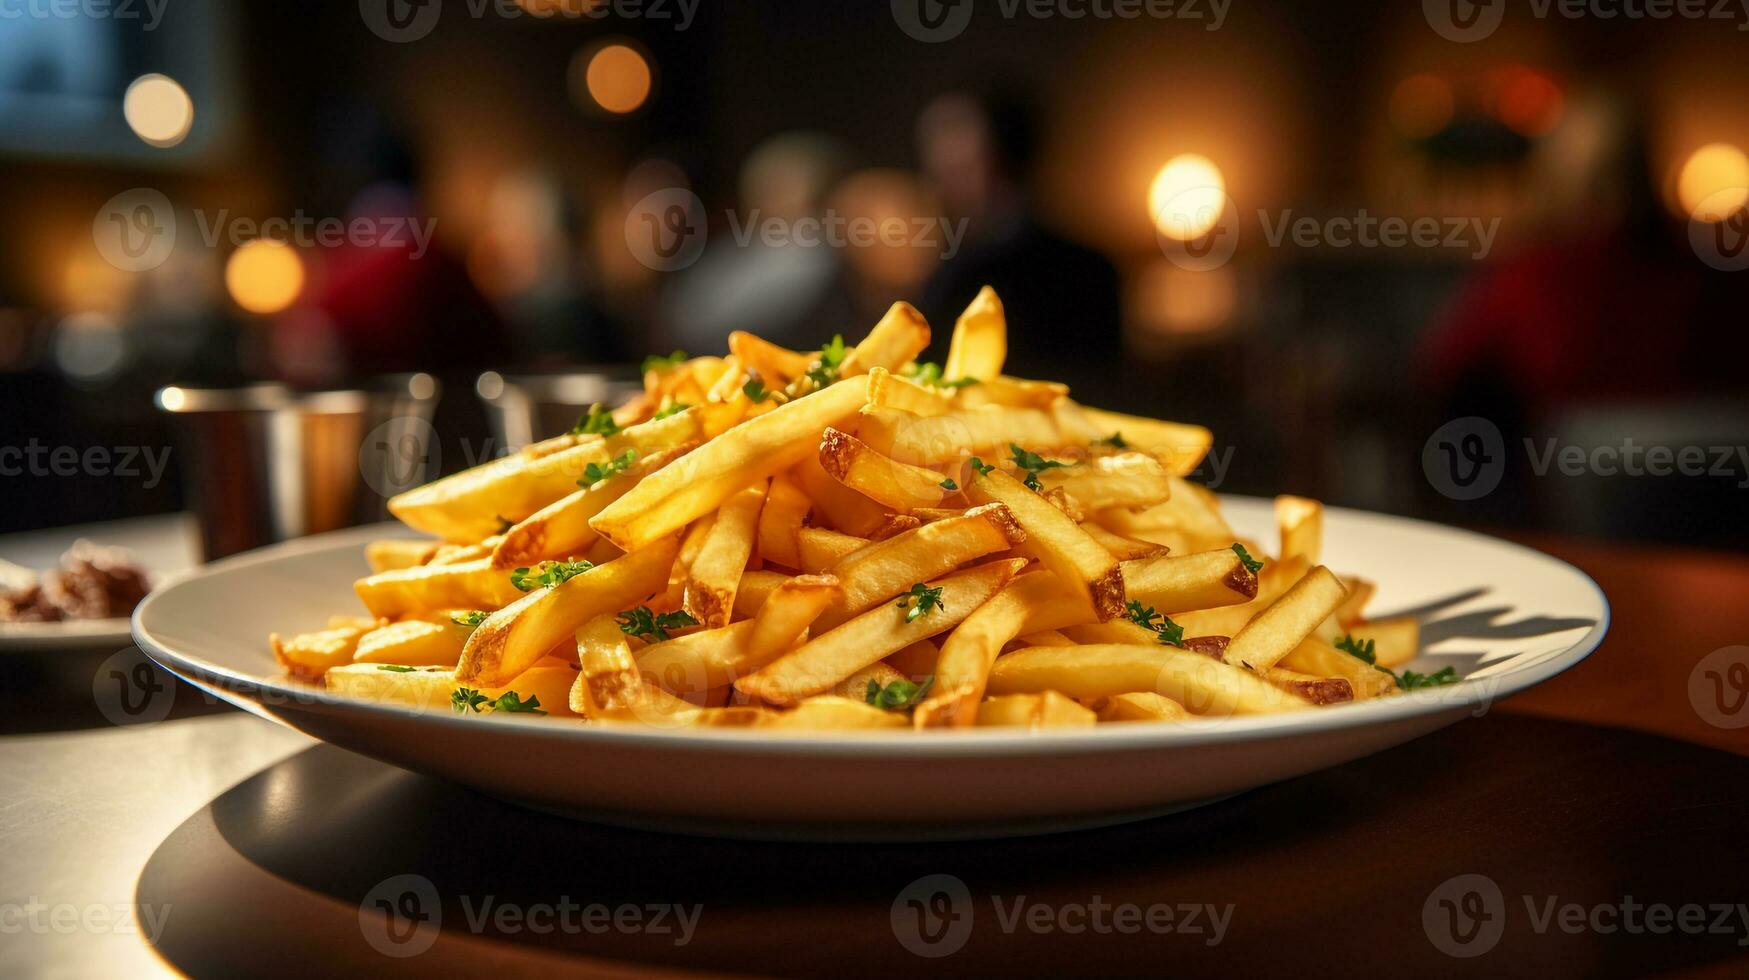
(755, 390)
(1033, 464)
(640, 621)
(1251, 564)
(1410, 681)
(1358, 649)
(982, 468)
(1115, 440)
(898, 695)
(548, 573)
(472, 617)
(929, 373)
(948, 484)
(656, 362)
(466, 699)
(596, 472)
(1170, 633)
(598, 421)
(919, 601)
(674, 409)
(825, 368)
(396, 668)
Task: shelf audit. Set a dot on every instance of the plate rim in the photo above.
(1465, 695)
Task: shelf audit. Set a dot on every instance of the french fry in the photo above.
(832, 713)
(1302, 527)
(888, 390)
(1395, 641)
(1123, 480)
(545, 687)
(1139, 706)
(894, 524)
(1310, 687)
(1188, 511)
(1060, 499)
(393, 553)
(1055, 540)
(831, 656)
(1047, 709)
(928, 440)
(609, 683)
(523, 631)
(716, 571)
(1029, 604)
(900, 336)
(1315, 657)
(1204, 686)
(695, 663)
(1045, 638)
(855, 687)
(1181, 583)
(700, 481)
(790, 609)
(1353, 608)
(980, 340)
(756, 586)
(778, 366)
(311, 655)
(835, 504)
(820, 548)
(1179, 447)
(423, 588)
(901, 486)
(1275, 578)
(916, 661)
(561, 529)
(1013, 393)
(780, 520)
(1275, 631)
(471, 505)
(1122, 548)
(413, 642)
(871, 575)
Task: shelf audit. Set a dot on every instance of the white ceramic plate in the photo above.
(1505, 616)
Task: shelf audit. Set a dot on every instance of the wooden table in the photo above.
(1535, 838)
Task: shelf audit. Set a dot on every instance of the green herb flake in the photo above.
(948, 484)
(471, 618)
(1170, 633)
(919, 600)
(1410, 681)
(640, 621)
(1251, 564)
(395, 668)
(598, 421)
(929, 373)
(826, 367)
(548, 573)
(755, 391)
(656, 362)
(1033, 464)
(674, 409)
(980, 467)
(596, 472)
(1359, 650)
(898, 695)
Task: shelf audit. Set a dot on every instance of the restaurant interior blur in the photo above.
(1576, 171)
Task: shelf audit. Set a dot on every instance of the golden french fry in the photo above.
(1275, 631)
(780, 520)
(700, 481)
(716, 571)
(520, 633)
(1012, 393)
(393, 553)
(928, 440)
(1275, 578)
(1056, 541)
(820, 549)
(1060, 499)
(837, 505)
(1353, 608)
(1203, 685)
(1302, 527)
(1309, 687)
(1181, 583)
(1047, 709)
(1139, 706)
(1317, 658)
(916, 661)
(1122, 548)
(902, 486)
(472, 504)
(856, 686)
(790, 609)
(888, 390)
(609, 683)
(698, 662)
(545, 688)
(756, 586)
(1045, 638)
(829, 712)
(980, 340)
(895, 524)
(900, 336)
(1395, 641)
(1178, 447)
(777, 366)
(561, 529)
(311, 655)
(829, 657)
(871, 575)
(1123, 480)
(413, 642)
(423, 588)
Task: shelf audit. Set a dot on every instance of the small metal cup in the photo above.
(527, 408)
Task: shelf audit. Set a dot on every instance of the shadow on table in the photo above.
(73, 690)
(329, 862)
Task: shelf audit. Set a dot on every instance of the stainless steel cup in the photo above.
(526, 408)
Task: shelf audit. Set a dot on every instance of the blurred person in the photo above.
(784, 289)
(1062, 299)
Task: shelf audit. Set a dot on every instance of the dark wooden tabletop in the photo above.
(1592, 827)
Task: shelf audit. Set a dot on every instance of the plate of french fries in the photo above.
(848, 593)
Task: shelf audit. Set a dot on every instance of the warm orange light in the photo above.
(158, 110)
(1421, 106)
(1528, 101)
(1713, 183)
(618, 78)
(264, 276)
(1187, 197)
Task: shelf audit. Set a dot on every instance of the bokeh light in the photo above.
(1526, 100)
(617, 78)
(1421, 106)
(1187, 197)
(1713, 183)
(158, 110)
(264, 276)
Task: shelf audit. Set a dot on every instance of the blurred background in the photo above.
(1398, 257)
